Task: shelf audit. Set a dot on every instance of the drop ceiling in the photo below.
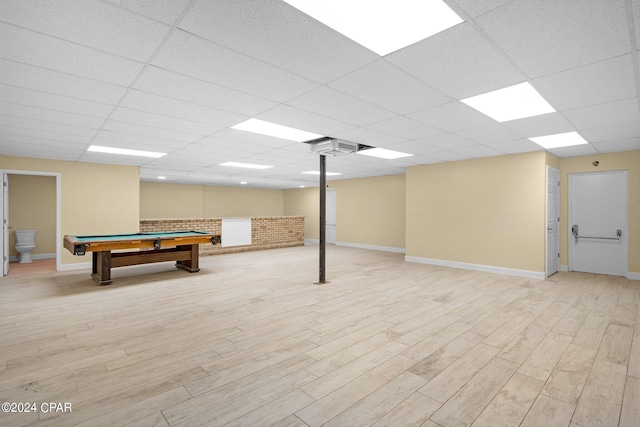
(176, 75)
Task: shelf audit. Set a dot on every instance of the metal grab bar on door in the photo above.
(574, 231)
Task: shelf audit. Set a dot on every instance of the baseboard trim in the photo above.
(372, 247)
(633, 276)
(16, 258)
(539, 275)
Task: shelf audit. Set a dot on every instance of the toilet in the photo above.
(25, 243)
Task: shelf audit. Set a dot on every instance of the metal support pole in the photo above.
(323, 216)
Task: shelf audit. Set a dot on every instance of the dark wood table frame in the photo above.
(155, 248)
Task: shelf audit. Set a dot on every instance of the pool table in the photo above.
(179, 246)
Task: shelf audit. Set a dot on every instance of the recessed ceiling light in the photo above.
(162, 177)
(245, 165)
(510, 103)
(243, 182)
(111, 150)
(278, 131)
(301, 186)
(567, 139)
(382, 26)
(326, 173)
(383, 153)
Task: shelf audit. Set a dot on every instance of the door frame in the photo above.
(570, 221)
(334, 206)
(546, 234)
(58, 177)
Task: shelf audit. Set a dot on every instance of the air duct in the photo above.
(333, 147)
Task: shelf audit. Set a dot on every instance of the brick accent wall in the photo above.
(266, 232)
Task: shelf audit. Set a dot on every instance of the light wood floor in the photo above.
(251, 341)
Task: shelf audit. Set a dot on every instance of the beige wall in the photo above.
(486, 211)
(369, 211)
(161, 200)
(220, 202)
(305, 202)
(95, 198)
(629, 161)
(32, 205)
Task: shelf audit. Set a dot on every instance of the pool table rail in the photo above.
(182, 247)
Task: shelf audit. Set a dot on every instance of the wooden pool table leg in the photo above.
(101, 267)
(192, 264)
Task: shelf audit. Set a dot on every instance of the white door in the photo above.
(4, 208)
(598, 222)
(331, 217)
(553, 220)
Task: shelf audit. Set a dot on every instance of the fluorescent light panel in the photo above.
(326, 173)
(382, 26)
(124, 151)
(510, 103)
(383, 153)
(245, 165)
(271, 129)
(567, 139)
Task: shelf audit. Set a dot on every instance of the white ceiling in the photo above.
(175, 75)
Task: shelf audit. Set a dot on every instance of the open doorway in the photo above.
(31, 201)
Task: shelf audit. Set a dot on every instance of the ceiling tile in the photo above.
(545, 124)
(612, 133)
(300, 119)
(164, 122)
(517, 146)
(89, 23)
(166, 11)
(40, 79)
(153, 132)
(48, 52)
(26, 123)
(166, 147)
(448, 141)
(66, 68)
(387, 86)
(63, 143)
(10, 148)
(459, 62)
(489, 134)
(130, 138)
(575, 151)
(479, 151)
(452, 117)
(611, 113)
(113, 159)
(618, 145)
(16, 95)
(478, 7)
(192, 56)
(35, 113)
(162, 105)
(172, 85)
(405, 128)
(279, 34)
(413, 147)
(545, 37)
(368, 137)
(251, 138)
(331, 103)
(44, 135)
(596, 83)
(448, 156)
